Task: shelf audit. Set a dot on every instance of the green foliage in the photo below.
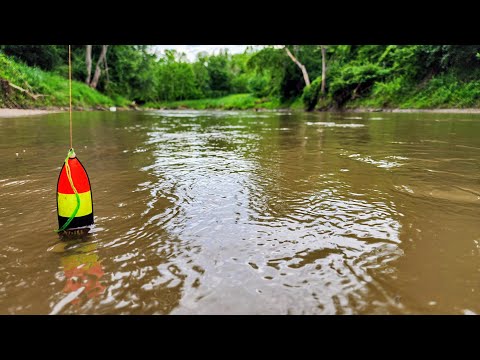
(220, 79)
(46, 57)
(258, 85)
(388, 93)
(357, 75)
(230, 102)
(175, 81)
(239, 74)
(131, 73)
(446, 91)
(311, 94)
(270, 64)
(201, 76)
(296, 104)
(439, 58)
(353, 81)
(52, 86)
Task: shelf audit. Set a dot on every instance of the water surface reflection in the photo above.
(241, 212)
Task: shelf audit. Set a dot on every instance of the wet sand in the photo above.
(9, 113)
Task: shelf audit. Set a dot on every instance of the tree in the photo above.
(88, 62)
(300, 65)
(98, 70)
(324, 69)
(202, 77)
(269, 69)
(102, 59)
(133, 72)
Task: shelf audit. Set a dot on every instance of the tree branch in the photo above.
(324, 69)
(98, 70)
(88, 61)
(300, 65)
(16, 87)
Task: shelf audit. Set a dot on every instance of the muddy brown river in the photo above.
(245, 213)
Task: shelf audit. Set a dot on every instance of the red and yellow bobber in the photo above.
(74, 196)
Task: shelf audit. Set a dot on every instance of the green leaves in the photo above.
(384, 75)
(46, 57)
(352, 81)
(311, 94)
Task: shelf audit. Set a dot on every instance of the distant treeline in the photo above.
(417, 76)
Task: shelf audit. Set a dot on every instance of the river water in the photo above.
(245, 213)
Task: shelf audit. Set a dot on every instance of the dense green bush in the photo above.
(311, 94)
(258, 85)
(445, 91)
(354, 81)
(388, 92)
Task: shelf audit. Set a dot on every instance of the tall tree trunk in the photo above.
(300, 65)
(88, 61)
(98, 70)
(106, 71)
(324, 69)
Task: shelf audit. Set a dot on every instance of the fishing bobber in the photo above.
(74, 196)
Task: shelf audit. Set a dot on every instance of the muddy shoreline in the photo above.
(10, 113)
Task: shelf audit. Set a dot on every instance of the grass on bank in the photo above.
(53, 86)
(443, 91)
(230, 102)
(447, 90)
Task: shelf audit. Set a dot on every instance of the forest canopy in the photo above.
(315, 76)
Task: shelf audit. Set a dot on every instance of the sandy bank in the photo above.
(9, 113)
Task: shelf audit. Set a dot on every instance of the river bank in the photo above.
(439, 111)
(11, 113)
(250, 102)
(367, 78)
